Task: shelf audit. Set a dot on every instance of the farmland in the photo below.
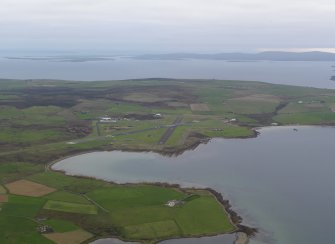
(131, 212)
(45, 120)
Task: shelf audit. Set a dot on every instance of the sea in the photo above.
(302, 73)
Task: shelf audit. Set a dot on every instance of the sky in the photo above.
(160, 26)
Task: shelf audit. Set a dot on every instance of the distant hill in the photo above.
(271, 56)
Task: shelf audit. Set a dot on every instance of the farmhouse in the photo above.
(158, 116)
(45, 229)
(173, 203)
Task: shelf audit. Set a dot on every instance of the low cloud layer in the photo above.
(165, 26)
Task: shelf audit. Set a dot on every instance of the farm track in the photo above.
(95, 203)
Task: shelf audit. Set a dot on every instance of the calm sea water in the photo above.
(221, 239)
(281, 182)
(314, 74)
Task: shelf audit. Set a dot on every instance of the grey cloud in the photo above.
(180, 25)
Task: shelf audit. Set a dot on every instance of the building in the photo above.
(173, 203)
(107, 120)
(44, 229)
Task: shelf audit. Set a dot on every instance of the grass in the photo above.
(179, 135)
(306, 118)
(230, 131)
(67, 197)
(213, 220)
(70, 207)
(35, 115)
(141, 213)
(121, 107)
(59, 225)
(30, 136)
(13, 171)
(295, 107)
(148, 138)
(19, 230)
(52, 179)
(61, 181)
(118, 197)
(32, 125)
(255, 104)
(212, 128)
(145, 97)
(22, 206)
(154, 230)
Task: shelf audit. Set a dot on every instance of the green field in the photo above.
(19, 230)
(70, 184)
(253, 104)
(154, 219)
(59, 225)
(210, 218)
(308, 118)
(133, 212)
(13, 171)
(67, 197)
(70, 207)
(154, 230)
(21, 206)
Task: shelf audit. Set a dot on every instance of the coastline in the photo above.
(241, 238)
(171, 152)
(167, 151)
(234, 217)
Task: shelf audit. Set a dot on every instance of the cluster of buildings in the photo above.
(107, 119)
(44, 229)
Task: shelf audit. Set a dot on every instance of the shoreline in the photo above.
(234, 217)
(240, 238)
(170, 152)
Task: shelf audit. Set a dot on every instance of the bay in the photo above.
(280, 182)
